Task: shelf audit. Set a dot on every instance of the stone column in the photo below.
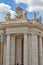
(4, 54)
(4, 51)
(12, 50)
(40, 50)
(29, 50)
(34, 41)
(25, 50)
(8, 50)
(2, 37)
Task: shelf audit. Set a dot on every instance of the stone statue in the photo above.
(7, 17)
(34, 15)
(20, 13)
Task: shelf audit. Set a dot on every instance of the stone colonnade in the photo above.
(32, 50)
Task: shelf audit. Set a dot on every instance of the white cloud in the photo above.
(23, 1)
(4, 9)
(35, 8)
(12, 14)
(42, 0)
(33, 5)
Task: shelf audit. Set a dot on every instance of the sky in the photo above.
(28, 5)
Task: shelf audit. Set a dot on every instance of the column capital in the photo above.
(8, 34)
(25, 33)
(33, 34)
(41, 36)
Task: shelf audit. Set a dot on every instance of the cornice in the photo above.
(28, 24)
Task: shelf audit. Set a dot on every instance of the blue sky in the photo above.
(9, 2)
(29, 6)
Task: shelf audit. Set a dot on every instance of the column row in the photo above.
(35, 48)
(34, 51)
(10, 51)
(30, 49)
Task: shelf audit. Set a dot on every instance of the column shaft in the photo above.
(8, 50)
(34, 41)
(29, 50)
(40, 49)
(25, 50)
(4, 51)
(12, 50)
(4, 55)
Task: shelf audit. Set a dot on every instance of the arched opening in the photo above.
(19, 50)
